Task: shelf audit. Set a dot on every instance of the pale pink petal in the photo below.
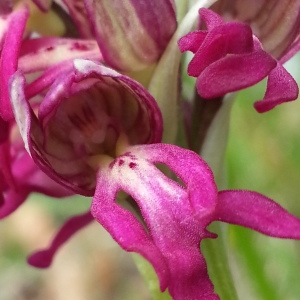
(42, 53)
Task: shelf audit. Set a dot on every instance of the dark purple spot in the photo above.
(132, 165)
(50, 48)
(121, 162)
(79, 47)
(131, 156)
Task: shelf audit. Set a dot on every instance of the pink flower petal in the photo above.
(281, 88)
(231, 38)
(234, 73)
(9, 57)
(39, 54)
(210, 18)
(255, 211)
(21, 176)
(192, 41)
(43, 258)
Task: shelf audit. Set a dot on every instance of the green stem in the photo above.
(212, 122)
(150, 277)
(216, 257)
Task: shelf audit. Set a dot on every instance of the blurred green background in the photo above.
(263, 155)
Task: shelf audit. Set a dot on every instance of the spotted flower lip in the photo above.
(228, 58)
(84, 113)
(135, 34)
(175, 215)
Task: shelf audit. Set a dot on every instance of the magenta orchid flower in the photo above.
(82, 137)
(175, 216)
(84, 128)
(229, 57)
(19, 175)
(86, 111)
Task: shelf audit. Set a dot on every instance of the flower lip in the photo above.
(84, 115)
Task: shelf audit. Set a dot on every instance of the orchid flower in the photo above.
(89, 151)
(77, 121)
(19, 173)
(88, 129)
(88, 112)
(229, 57)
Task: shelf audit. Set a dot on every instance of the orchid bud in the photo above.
(132, 34)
